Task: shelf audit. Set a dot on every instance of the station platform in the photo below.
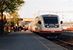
(27, 42)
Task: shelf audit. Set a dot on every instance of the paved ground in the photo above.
(27, 41)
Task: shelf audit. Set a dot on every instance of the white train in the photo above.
(47, 24)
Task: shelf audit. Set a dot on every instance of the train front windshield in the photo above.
(50, 20)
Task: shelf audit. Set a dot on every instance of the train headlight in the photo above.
(46, 26)
(57, 25)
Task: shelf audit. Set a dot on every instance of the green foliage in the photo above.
(10, 5)
(15, 17)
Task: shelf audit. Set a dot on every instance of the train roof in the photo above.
(49, 15)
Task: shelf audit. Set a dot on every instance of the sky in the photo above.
(32, 8)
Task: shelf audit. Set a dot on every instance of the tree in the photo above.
(15, 17)
(8, 6)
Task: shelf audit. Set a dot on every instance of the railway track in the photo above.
(65, 42)
(68, 42)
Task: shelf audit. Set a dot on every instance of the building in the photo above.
(25, 21)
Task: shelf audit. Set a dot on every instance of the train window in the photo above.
(39, 22)
(50, 20)
(61, 22)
